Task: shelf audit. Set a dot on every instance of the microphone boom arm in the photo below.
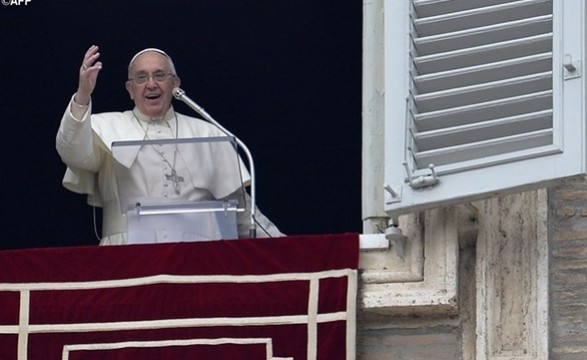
(180, 95)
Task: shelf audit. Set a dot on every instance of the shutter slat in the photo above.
(492, 147)
(495, 109)
(483, 54)
(484, 92)
(483, 73)
(478, 36)
(426, 8)
(481, 16)
(459, 135)
(495, 160)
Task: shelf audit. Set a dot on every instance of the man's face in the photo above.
(153, 98)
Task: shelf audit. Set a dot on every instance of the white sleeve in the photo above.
(265, 227)
(75, 139)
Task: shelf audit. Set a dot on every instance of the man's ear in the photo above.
(128, 86)
(176, 81)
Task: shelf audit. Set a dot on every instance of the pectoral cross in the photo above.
(176, 180)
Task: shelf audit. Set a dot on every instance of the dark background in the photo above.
(283, 75)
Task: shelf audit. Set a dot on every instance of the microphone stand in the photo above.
(180, 95)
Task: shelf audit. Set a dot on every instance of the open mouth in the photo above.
(153, 96)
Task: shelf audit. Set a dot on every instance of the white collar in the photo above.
(169, 115)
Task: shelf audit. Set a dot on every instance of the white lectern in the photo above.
(175, 189)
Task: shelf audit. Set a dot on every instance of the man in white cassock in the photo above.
(84, 142)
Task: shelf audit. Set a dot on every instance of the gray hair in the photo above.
(169, 61)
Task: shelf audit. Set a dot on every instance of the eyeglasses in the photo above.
(158, 76)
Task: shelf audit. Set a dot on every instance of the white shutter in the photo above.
(482, 96)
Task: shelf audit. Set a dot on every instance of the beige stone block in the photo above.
(572, 194)
(570, 235)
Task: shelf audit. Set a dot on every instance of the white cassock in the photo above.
(85, 146)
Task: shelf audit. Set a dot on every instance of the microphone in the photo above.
(179, 94)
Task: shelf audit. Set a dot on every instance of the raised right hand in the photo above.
(88, 75)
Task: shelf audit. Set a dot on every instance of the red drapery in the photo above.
(285, 298)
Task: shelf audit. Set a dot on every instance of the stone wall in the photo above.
(567, 206)
(503, 284)
(418, 343)
(509, 226)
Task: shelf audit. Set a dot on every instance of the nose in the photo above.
(151, 82)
